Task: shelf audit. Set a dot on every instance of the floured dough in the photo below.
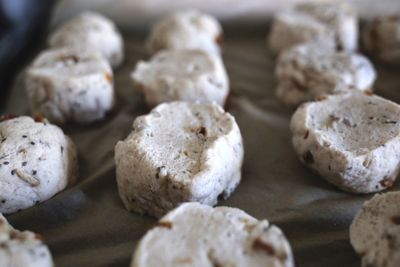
(22, 249)
(90, 31)
(179, 152)
(70, 85)
(375, 231)
(36, 162)
(197, 235)
(186, 30)
(187, 75)
(381, 38)
(334, 22)
(352, 140)
(308, 71)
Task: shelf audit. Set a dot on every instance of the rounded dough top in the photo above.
(356, 122)
(176, 134)
(375, 231)
(327, 13)
(186, 29)
(319, 60)
(22, 248)
(69, 63)
(176, 64)
(199, 235)
(37, 161)
(86, 28)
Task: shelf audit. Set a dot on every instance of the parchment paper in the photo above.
(86, 225)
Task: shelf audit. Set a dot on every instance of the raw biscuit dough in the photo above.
(36, 162)
(352, 140)
(381, 39)
(375, 231)
(334, 22)
(22, 249)
(69, 84)
(186, 30)
(90, 31)
(187, 75)
(179, 152)
(197, 235)
(308, 71)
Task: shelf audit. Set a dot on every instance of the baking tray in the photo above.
(87, 225)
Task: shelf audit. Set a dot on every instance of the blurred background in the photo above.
(131, 14)
(24, 23)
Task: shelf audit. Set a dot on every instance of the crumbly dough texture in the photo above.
(22, 249)
(90, 31)
(334, 22)
(381, 39)
(179, 152)
(199, 235)
(307, 71)
(36, 162)
(187, 75)
(352, 140)
(375, 231)
(70, 84)
(186, 30)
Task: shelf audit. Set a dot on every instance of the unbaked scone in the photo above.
(352, 140)
(334, 22)
(187, 75)
(186, 30)
(179, 152)
(69, 84)
(22, 249)
(381, 39)
(375, 231)
(36, 162)
(197, 235)
(307, 71)
(90, 31)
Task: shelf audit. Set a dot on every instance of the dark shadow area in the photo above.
(23, 24)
